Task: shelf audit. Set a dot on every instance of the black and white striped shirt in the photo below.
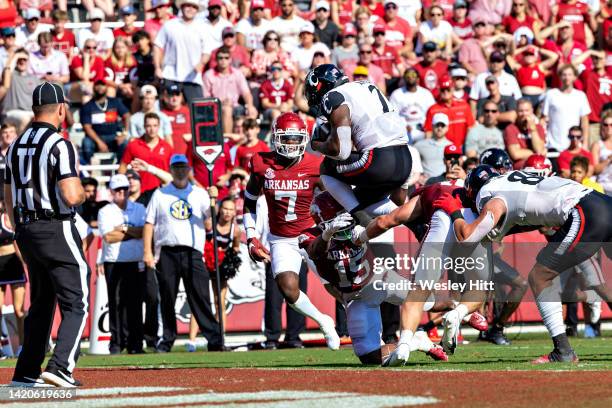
(35, 162)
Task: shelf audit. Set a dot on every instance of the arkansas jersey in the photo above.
(345, 265)
(288, 191)
(431, 193)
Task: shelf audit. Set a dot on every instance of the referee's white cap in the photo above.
(48, 93)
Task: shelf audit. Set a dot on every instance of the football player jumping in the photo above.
(287, 177)
(364, 141)
(345, 269)
(583, 219)
(438, 242)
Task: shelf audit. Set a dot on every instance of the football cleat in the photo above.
(478, 321)
(434, 335)
(29, 382)
(496, 336)
(437, 353)
(451, 325)
(556, 356)
(398, 357)
(328, 327)
(59, 377)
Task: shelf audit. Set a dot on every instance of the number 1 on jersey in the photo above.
(292, 196)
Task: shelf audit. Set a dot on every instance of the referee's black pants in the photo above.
(186, 263)
(126, 286)
(296, 322)
(58, 273)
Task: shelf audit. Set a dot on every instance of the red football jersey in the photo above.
(577, 15)
(431, 193)
(346, 266)
(64, 42)
(288, 191)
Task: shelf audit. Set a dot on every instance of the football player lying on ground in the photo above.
(364, 142)
(287, 177)
(437, 243)
(348, 277)
(582, 217)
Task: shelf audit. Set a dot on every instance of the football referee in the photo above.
(42, 188)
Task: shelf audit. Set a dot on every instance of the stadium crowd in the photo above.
(528, 77)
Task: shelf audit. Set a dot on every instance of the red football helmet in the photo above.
(538, 164)
(324, 208)
(290, 135)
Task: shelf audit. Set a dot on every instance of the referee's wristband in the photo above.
(456, 215)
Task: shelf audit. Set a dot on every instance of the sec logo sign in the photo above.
(181, 210)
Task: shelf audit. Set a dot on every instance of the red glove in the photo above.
(257, 251)
(450, 205)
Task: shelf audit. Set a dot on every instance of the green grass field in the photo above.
(594, 354)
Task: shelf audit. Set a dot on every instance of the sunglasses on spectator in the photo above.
(607, 125)
(379, 33)
(36, 19)
(272, 39)
(120, 189)
(445, 90)
(258, 9)
(390, 6)
(440, 125)
(436, 14)
(89, 47)
(491, 111)
(365, 51)
(273, 69)
(460, 78)
(223, 57)
(479, 24)
(518, 4)
(574, 137)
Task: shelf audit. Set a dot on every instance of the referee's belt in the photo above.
(23, 216)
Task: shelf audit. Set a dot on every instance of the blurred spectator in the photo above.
(179, 116)
(149, 151)
(460, 83)
(412, 102)
(162, 9)
(215, 23)
(563, 108)
(364, 23)
(462, 26)
(8, 47)
(602, 153)
(453, 166)
(128, 15)
(304, 52)
(505, 103)
(106, 6)
(148, 103)
(519, 17)
(387, 58)
(579, 167)
(251, 30)
(471, 53)
(263, 58)
(91, 206)
(120, 224)
(485, 135)
(63, 39)
(144, 71)
(251, 146)
(8, 134)
(47, 63)
(241, 59)
(342, 12)
(103, 36)
(375, 7)
(228, 84)
(576, 148)
(100, 119)
(135, 190)
(437, 30)
(288, 25)
(507, 82)
(458, 112)
(16, 90)
(431, 149)
(118, 67)
(27, 33)
(489, 11)
(182, 50)
(276, 93)
(347, 50)
(8, 13)
(566, 47)
(531, 71)
(375, 74)
(577, 14)
(597, 85)
(325, 29)
(431, 68)
(410, 10)
(86, 69)
(525, 136)
(398, 31)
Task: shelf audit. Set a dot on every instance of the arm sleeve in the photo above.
(64, 159)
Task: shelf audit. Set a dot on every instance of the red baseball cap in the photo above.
(453, 150)
(445, 82)
(213, 3)
(379, 28)
(255, 4)
(349, 29)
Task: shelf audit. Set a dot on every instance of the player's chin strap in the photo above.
(346, 145)
(482, 229)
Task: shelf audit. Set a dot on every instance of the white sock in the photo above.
(552, 315)
(342, 192)
(304, 306)
(462, 310)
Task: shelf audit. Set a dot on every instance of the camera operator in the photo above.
(453, 161)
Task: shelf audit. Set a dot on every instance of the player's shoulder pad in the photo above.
(331, 101)
(257, 162)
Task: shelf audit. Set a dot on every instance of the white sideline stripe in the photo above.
(92, 392)
(300, 399)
